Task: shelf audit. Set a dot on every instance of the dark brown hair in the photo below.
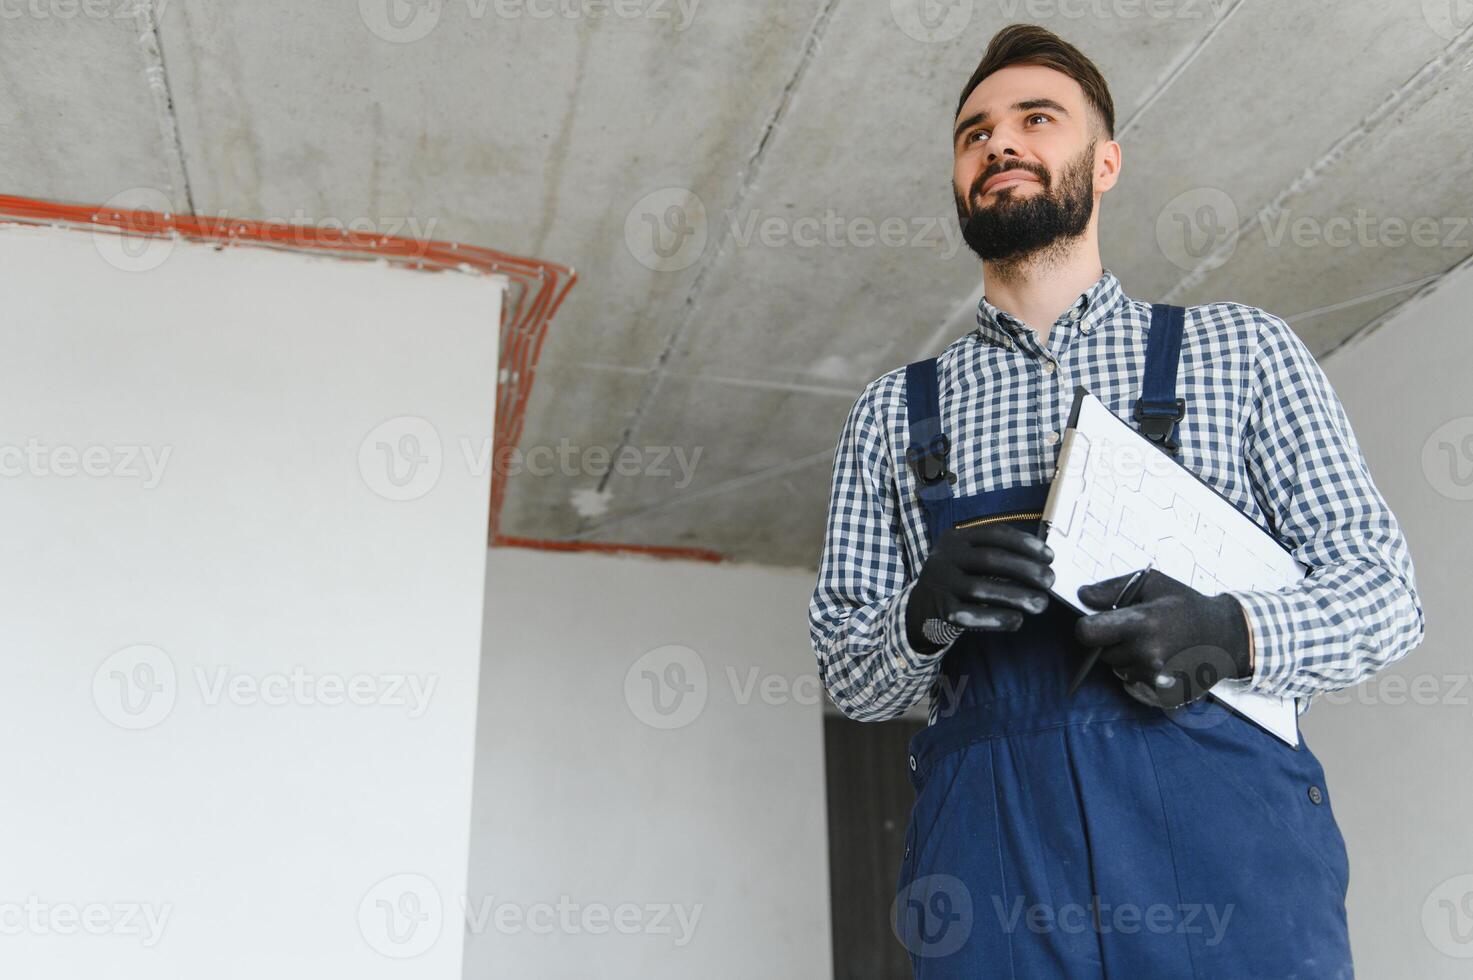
(1029, 44)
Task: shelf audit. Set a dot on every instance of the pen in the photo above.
(1126, 597)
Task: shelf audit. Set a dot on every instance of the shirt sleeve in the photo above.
(1357, 610)
(857, 615)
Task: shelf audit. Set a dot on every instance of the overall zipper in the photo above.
(996, 518)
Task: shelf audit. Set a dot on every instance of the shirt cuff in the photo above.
(1269, 616)
(913, 661)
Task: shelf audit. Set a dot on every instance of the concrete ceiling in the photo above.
(756, 195)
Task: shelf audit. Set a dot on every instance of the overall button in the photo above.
(1315, 796)
(913, 766)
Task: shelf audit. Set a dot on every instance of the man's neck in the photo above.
(1038, 289)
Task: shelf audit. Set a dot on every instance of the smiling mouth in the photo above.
(1008, 179)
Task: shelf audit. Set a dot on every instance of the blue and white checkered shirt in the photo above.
(1263, 427)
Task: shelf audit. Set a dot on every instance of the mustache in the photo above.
(1038, 171)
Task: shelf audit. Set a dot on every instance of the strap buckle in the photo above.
(929, 460)
(1158, 420)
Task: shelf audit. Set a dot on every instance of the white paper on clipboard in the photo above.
(1117, 502)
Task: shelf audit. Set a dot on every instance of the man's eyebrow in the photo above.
(981, 118)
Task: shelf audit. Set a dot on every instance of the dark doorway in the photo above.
(869, 801)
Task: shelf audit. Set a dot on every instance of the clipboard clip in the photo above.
(1157, 421)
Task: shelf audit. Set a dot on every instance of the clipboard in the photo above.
(1118, 501)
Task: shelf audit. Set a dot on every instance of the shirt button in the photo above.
(1048, 367)
(1051, 437)
(1084, 328)
(1315, 796)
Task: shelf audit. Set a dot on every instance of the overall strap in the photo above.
(1158, 409)
(929, 448)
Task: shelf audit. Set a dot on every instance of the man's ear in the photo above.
(1107, 165)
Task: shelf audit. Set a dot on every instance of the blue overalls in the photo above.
(1098, 836)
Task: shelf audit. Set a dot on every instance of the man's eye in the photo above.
(974, 137)
(1037, 115)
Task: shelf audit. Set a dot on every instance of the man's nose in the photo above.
(997, 148)
(1002, 142)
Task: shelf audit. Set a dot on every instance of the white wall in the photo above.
(585, 803)
(1396, 750)
(240, 665)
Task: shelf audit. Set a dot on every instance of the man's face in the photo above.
(1024, 174)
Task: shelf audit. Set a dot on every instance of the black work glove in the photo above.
(978, 578)
(1170, 645)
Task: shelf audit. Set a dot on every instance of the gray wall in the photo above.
(1395, 749)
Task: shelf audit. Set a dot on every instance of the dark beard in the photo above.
(1012, 228)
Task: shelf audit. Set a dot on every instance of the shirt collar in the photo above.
(1092, 308)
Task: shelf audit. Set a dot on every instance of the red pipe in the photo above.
(524, 323)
